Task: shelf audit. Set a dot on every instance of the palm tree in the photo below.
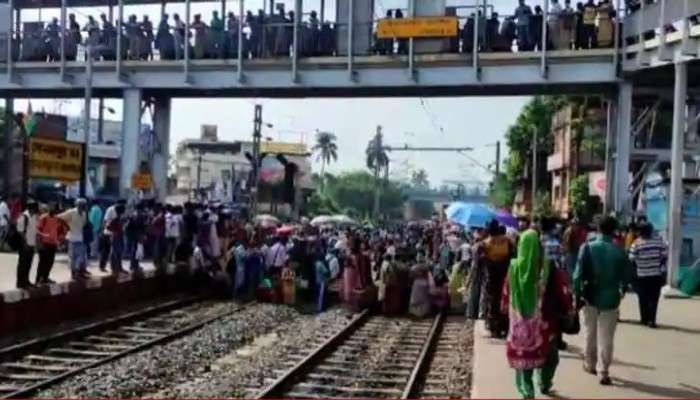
(326, 150)
(377, 159)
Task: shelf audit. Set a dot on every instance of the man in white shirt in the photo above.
(76, 219)
(26, 226)
(173, 223)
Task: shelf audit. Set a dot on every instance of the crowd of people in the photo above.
(584, 25)
(528, 283)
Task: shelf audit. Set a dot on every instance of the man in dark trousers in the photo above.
(26, 226)
(648, 254)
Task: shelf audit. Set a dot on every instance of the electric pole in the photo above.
(498, 159)
(86, 123)
(199, 174)
(534, 169)
(257, 135)
(378, 149)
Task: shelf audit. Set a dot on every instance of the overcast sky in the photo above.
(474, 122)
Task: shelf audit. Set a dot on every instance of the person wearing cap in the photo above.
(76, 219)
(26, 226)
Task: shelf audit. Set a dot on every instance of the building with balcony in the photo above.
(578, 134)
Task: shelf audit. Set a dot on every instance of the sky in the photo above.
(476, 122)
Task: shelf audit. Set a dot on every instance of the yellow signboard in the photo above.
(141, 181)
(292, 149)
(55, 159)
(419, 27)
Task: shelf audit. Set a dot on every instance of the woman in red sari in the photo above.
(536, 298)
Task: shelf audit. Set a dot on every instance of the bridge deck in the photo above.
(450, 74)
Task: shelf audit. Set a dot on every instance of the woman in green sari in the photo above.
(536, 298)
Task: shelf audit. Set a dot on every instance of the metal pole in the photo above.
(411, 49)
(351, 23)
(10, 45)
(377, 166)
(100, 119)
(63, 40)
(534, 169)
(475, 49)
(257, 135)
(86, 122)
(543, 44)
(616, 37)
(609, 165)
(186, 60)
(498, 159)
(675, 237)
(241, 11)
(199, 173)
(622, 148)
(323, 11)
(120, 43)
(295, 38)
(223, 11)
(7, 144)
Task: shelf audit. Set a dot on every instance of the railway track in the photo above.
(35, 365)
(374, 356)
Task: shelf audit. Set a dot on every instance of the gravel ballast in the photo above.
(179, 361)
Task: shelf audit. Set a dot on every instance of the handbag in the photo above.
(570, 324)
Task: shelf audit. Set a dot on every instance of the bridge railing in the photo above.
(653, 26)
(293, 40)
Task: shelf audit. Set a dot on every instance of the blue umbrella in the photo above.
(469, 214)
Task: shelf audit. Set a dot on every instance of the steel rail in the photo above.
(276, 388)
(423, 359)
(32, 389)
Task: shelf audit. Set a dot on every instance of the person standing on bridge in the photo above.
(522, 16)
(600, 281)
(536, 297)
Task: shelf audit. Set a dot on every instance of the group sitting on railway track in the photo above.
(527, 282)
(585, 25)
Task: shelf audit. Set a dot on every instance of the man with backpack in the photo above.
(26, 243)
(76, 219)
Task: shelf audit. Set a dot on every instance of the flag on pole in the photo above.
(29, 121)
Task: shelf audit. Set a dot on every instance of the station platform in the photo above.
(649, 363)
(44, 305)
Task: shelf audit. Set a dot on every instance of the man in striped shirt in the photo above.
(649, 257)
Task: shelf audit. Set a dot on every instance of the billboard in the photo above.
(292, 149)
(55, 159)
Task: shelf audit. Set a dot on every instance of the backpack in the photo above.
(15, 239)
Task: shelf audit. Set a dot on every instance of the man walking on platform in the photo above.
(600, 281)
(648, 254)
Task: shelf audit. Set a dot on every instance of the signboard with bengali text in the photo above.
(419, 27)
(55, 159)
(292, 149)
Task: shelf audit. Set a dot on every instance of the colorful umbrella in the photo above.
(505, 218)
(469, 214)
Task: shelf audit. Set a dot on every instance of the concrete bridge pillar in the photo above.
(623, 144)
(131, 129)
(675, 214)
(161, 154)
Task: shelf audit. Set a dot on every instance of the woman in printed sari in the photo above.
(537, 299)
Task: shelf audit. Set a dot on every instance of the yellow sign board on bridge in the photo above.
(418, 27)
(289, 149)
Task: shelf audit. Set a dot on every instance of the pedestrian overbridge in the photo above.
(526, 73)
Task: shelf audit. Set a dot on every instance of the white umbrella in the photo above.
(343, 220)
(267, 220)
(322, 220)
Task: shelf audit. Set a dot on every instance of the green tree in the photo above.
(543, 205)
(326, 150)
(582, 203)
(354, 192)
(501, 192)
